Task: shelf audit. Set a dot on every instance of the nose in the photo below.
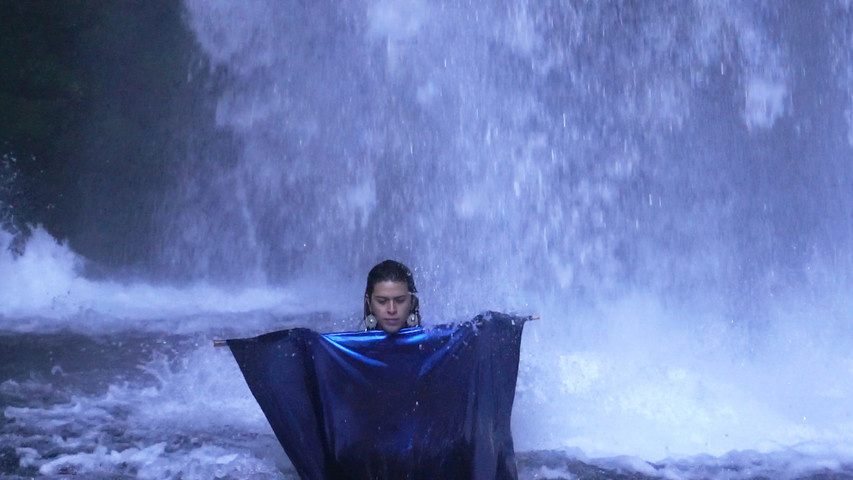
(392, 307)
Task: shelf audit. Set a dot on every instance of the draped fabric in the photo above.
(419, 404)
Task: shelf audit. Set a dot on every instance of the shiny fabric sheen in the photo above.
(420, 404)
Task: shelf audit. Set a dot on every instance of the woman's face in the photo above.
(391, 304)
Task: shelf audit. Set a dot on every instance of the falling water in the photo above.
(668, 185)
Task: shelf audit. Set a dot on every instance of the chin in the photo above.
(392, 328)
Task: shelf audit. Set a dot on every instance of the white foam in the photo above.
(155, 463)
(189, 424)
(643, 380)
(38, 278)
(546, 473)
(44, 290)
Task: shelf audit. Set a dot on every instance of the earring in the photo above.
(412, 320)
(370, 322)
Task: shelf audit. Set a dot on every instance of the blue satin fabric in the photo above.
(420, 404)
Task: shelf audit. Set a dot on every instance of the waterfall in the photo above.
(667, 185)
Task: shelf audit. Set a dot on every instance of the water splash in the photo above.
(667, 185)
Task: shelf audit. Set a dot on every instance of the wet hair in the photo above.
(392, 271)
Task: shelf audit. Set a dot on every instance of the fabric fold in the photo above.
(419, 404)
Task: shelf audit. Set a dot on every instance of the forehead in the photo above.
(390, 289)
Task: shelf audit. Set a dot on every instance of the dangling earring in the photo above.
(370, 322)
(412, 320)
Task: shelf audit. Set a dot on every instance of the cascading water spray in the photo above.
(666, 184)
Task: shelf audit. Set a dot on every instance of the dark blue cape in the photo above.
(420, 404)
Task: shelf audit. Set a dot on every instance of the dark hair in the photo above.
(393, 271)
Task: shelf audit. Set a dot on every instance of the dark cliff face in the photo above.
(98, 101)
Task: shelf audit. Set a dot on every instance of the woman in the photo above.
(389, 299)
(416, 404)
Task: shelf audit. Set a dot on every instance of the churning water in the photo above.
(668, 185)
